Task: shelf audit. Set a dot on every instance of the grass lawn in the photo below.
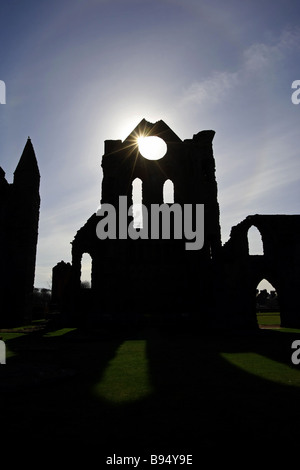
(266, 319)
(151, 390)
(126, 378)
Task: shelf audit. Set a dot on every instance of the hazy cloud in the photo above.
(256, 59)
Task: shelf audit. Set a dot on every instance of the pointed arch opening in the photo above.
(86, 271)
(255, 244)
(137, 201)
(267, 305)
(168, 192)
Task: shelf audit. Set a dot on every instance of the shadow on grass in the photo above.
(200, 401)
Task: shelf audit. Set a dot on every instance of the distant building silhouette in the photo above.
(239, 273)
(214, 286)
(19, 219)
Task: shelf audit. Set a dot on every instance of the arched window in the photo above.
(86, 271)
(137, 201)
(255, 244)
(168, 192)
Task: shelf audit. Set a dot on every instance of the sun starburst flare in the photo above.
(152, 147)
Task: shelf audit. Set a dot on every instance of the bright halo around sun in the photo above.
(152, 147)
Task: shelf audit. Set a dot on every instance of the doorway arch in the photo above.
(267, 305)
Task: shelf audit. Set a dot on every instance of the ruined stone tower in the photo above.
(19, 218)
(148, 276)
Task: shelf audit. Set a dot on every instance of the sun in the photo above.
(152, 147)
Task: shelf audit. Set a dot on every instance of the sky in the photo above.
(79, 72)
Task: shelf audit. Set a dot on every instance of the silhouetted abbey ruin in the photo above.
(133, 279)
(214, 286)
(19, 219)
